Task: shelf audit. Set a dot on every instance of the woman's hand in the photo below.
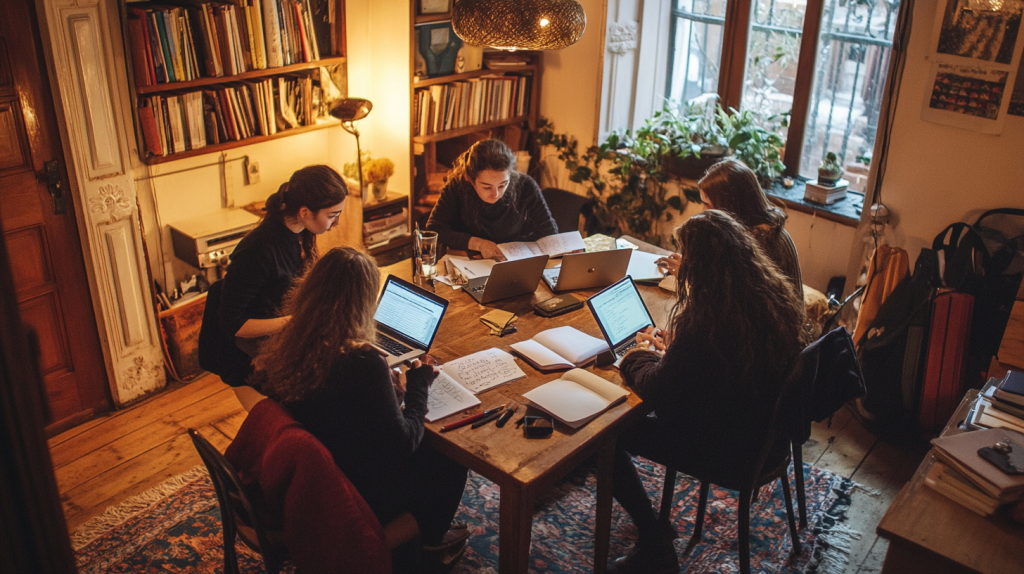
(487, 249)
(670, 263)
(652, 339)
(398, 381)
(420, 372)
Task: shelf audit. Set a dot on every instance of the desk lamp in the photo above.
(349, 111)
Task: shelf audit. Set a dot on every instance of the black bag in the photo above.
(893, 348)
(985, 260)
(217, 351)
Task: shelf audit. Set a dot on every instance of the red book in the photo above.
(150, 133)
(142, 57)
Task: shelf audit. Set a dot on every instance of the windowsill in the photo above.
(846, 211)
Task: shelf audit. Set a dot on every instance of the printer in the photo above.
(208, 240)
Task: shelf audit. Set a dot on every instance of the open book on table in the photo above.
(577, 397)
(559, 348)
(552, 246)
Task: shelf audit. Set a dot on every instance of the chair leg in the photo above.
(794, 537)
(744, 531)
(798, 475)
(230, 554)
(699, 523)
(667, 494)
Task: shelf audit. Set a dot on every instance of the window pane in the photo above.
(773, 48)
(852, 61)
(696, 48)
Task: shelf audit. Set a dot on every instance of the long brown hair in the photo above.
(733, 188)
(735, 297)
(332, 313)
(485, 155)
(315, 187)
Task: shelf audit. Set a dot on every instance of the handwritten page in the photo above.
(484, 370)
(519, 250)
(473, 268)
(561, 243)
(448, 397)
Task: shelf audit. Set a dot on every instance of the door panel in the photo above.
(51, 284)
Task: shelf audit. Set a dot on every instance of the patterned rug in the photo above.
(176, 528)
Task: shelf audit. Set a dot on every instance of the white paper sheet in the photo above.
(448, 397)
(484, 370)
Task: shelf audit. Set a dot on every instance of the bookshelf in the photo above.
(211, 76)
(453, 108)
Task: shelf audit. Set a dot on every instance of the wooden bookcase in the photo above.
(303, 70)
(435, 148)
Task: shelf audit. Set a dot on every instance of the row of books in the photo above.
(964, 471)
(471, 102)
(214, 39)
(384, 225)
(179, 123)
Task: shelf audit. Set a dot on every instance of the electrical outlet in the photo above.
(252, 172)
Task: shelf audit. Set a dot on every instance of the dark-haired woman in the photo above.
(268, 259)
(327, 373)
(736, 330)
(732, 187)
(485, 202)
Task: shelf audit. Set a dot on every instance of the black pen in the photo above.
(486, 419)
(505, 416)
(471, 418)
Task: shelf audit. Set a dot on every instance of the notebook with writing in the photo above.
(507, 279)
(588, 270)
(621, 313)
(407, 319)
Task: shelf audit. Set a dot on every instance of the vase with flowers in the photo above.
(376, 173)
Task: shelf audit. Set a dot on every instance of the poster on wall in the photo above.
(975, 63)
(1017, 95)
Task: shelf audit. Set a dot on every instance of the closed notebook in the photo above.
(960, 451)
(559, 348)
(954, 486)
(1011, 389)
(577, 397)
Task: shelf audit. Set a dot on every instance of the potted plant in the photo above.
(376, 173)
(829, 172)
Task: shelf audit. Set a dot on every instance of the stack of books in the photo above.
(964, 476)
(384, 225)
(825, 194)
(1000, 404)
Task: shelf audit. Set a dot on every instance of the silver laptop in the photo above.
(621, 313)
(407, 319)
(507, 279)
(588, 270)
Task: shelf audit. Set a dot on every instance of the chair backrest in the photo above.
(566, 207)
(239, 514)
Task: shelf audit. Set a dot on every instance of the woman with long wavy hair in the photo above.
(735, 332)
(484, 202)
(323, 368)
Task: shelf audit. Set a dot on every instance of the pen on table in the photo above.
(505, 416)
(471, 418)
(486, 419)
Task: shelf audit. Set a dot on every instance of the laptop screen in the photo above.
(620, 311)
(409, 311)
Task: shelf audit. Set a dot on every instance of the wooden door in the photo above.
(40, 230)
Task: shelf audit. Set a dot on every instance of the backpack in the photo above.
(985, 260)
(893, 347)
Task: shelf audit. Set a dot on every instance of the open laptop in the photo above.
(588, 270)
(621, 313)
(407, 319)
(507, 279)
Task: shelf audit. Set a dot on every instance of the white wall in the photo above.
(939, 174)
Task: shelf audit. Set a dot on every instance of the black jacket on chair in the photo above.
(829, 376)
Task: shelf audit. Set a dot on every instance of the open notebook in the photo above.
(559, 348)
(576, 398)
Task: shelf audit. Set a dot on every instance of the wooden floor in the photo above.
(119, 455)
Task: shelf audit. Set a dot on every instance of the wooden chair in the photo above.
(238, 511)
(567, 207)
(771, 464)
(242, 515)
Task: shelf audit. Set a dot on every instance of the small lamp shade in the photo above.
(519, 24)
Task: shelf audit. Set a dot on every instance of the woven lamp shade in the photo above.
(519, 24)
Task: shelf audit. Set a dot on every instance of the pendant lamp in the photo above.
(519, 24)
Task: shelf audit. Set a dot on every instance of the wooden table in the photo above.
(524, 468)
(928, 532)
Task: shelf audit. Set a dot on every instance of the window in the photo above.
(823, 60)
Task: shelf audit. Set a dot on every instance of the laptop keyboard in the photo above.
(623, 349)
(392, 346)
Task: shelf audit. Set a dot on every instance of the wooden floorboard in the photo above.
(122, 454)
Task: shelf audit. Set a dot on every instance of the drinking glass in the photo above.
(428, 254)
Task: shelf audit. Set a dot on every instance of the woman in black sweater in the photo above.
(324, 369)
(267, 260)
(735, 332)
(485, 202)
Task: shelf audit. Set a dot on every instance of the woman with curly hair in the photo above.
(484, 202)
(736, 330)
(323, 368)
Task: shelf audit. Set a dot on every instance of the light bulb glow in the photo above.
(544, 22)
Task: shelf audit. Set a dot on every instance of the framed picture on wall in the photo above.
(435, 6)
(438, 47)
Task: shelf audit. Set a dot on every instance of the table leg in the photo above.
(603, 517)
(515, 524)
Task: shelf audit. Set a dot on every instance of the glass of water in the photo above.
(428, 254)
